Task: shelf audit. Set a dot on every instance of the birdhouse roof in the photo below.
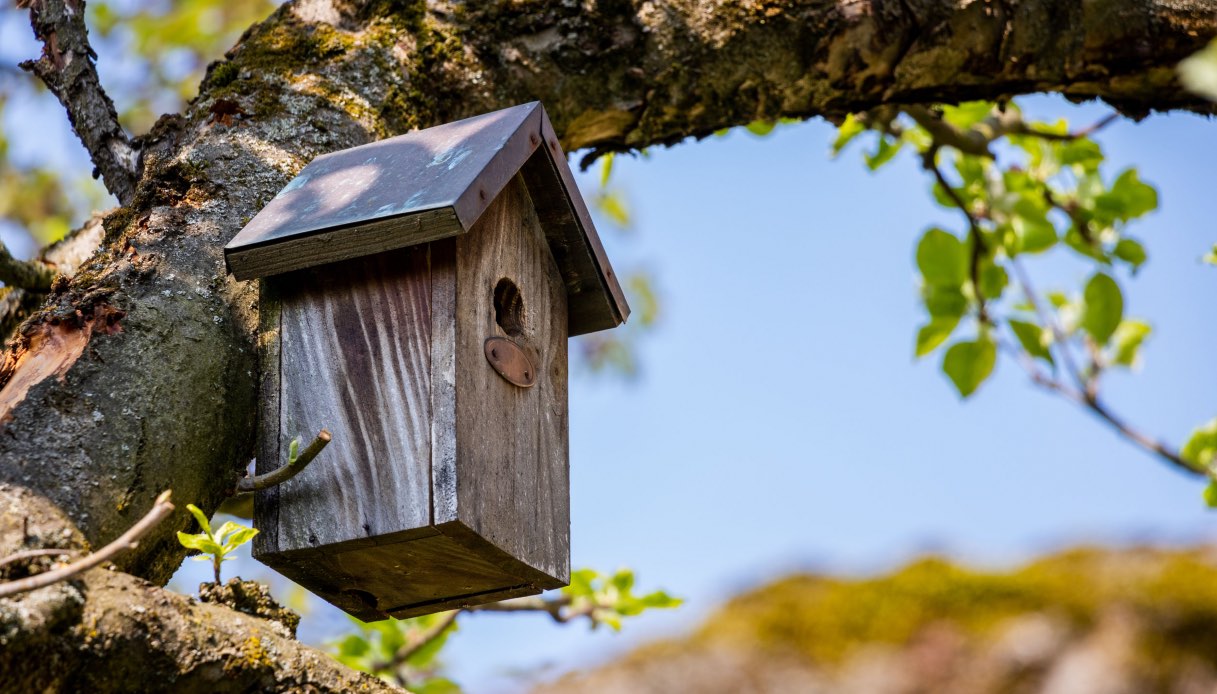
(429, 185)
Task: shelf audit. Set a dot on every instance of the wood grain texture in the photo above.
(511, 442)
(355, 346)
(266, 502)
(342, 243)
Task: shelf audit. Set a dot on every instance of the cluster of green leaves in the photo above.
(373, 648)
(407, 652)
(1044, 192)
(215, 547)
(1026, 190)
(607, 599)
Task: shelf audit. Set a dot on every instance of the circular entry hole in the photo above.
(509, 307)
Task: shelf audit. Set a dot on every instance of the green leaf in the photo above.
(850, 128)
(1210, 494)
(1130, 251)
(1200, 451)
(240, 537)
(884, 151)
(1034, 339)
(1128, 198)
(993, 280)
(293, 451)
(942, 259)
(660, 600)
(1082, 152)
(1031, 225)
(200, 517)
(967, 114)
(1126, 341)
(968, 364)
(760, 128)
(1104, 307)
(934, 333)
(191, 541)
(606, 169)
(944, 302)
(1211, 256)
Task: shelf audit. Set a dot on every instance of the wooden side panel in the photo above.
(266, 502)
(355, 359)
(511, 443)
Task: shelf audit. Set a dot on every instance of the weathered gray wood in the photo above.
(355, 359)
(443, 381)
(511, 442)
(339, 244)
(432, 184)
(266, 502)
(445, 484)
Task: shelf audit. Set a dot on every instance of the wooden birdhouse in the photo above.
(417, 296)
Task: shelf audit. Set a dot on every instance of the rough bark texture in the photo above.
(66, 68)
(139, 374)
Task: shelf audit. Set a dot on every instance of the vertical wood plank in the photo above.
(443, 381)
(512, 455)
(266, 502)
(355, 359)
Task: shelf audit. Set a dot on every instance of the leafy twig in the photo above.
(126, 541)
(295, 465)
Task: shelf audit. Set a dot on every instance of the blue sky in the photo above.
(780, 422)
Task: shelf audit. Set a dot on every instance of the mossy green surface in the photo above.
(826, 619)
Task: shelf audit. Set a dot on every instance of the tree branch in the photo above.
(66, 67)
(126, 541)
(284, 473)
(30, 275)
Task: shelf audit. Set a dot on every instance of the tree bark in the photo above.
(139, 374)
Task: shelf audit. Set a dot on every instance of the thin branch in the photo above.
(32, 554)
(929, 163)
(419, 641)
(1059, 338)
(127, 540)
(66, 67)
(30, 275)
(1086, 394)
(285, 472)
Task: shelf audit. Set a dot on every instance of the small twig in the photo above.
(66, 67)
(33, 553)
(126, 541)
(285, 472)
(419, 641)
(1089, 400)
(1059, 338)
(929, 163)
(30, 275)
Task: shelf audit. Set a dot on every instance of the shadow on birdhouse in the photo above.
(417, 295)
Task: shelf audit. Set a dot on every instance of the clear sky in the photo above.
(781, 423)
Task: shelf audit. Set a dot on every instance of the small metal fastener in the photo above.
(510, 361)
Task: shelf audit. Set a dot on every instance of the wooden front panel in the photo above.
(511, 458)
(355, 345)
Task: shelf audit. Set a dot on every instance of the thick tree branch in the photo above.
(66, 67)
(96, 384)
(30, 275)
(111, 632)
